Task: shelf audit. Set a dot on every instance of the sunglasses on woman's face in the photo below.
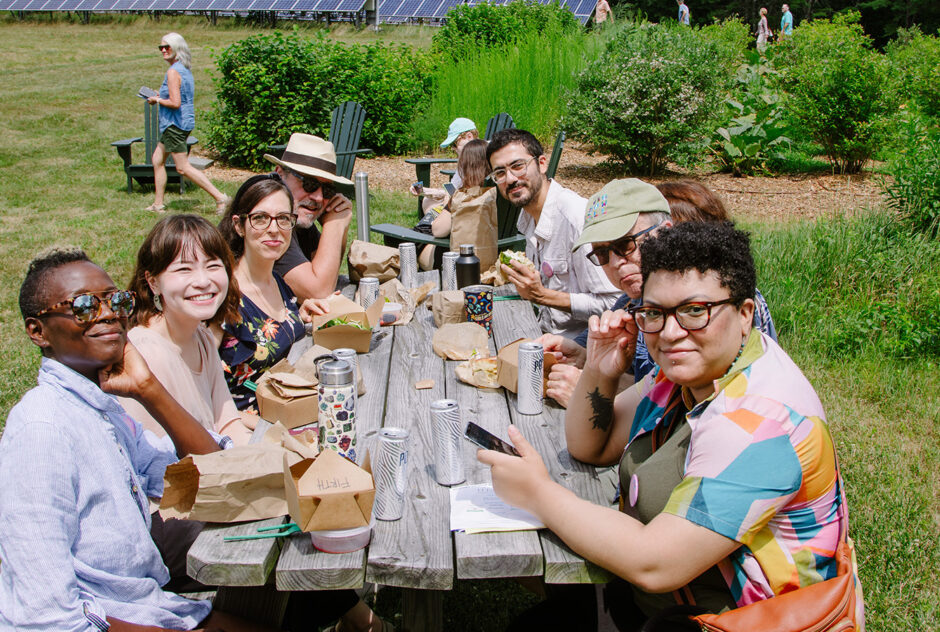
(164, 47)
(86, 308)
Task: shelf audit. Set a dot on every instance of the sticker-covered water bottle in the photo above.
(337, 406)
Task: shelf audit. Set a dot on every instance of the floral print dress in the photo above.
(257, 343)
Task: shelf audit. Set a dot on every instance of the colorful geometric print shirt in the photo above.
(760, 470)
(257, 343)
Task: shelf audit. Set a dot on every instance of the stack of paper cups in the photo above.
(408, 264)
(449, 271)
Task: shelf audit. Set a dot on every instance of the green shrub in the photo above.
(757, 127)
(269, 86)
(837, 89)
(850, 287)
(915, 69)
(655, 94)
(470, 28)
(491, 81)
(915, 190)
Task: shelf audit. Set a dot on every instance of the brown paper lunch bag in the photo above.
(473, 221)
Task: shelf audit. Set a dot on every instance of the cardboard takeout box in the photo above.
(507, 366)
(293, 402)
(329, 492)
(341, 335)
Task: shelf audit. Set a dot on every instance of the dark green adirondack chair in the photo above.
(497, 124)
(556, 155)
(143, 171)
(345, 130)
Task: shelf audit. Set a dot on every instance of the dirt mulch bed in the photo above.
(781, 198)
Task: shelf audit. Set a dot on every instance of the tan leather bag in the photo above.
(823, 607)
(473, 221)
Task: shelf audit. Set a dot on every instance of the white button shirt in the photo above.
(548, 246)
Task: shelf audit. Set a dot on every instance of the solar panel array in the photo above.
(390, 11)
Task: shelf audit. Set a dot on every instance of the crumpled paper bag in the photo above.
(409, 299)
(448, 307)
(494, 276)
(479, 372)
(461, 341)
(235, 485)
(368, 259)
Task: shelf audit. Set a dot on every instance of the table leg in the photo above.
(422, 610)
(424, 175)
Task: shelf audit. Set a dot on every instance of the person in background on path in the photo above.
(311, 262)
(786, 22)
(567, 286)
(177, 118)
(460, 132)
(763, 31)
(602, 13)
(684, 14)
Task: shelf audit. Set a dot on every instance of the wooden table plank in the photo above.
(546, 432)
(301, 566)
(214, 562)
(487, 555)
(416, 551)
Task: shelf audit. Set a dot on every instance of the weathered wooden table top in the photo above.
(419, 551)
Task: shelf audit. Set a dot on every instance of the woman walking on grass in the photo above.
(177, 119)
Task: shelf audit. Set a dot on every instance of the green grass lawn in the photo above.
(68, 90)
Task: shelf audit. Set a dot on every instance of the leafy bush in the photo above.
(837, 89)
(477, 86)
(915, 68)
(848, 287)
(655, 94)
(915, 191)
(269, 86)
(470, 28)
(757, 126)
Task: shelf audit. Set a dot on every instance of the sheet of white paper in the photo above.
(477, 509)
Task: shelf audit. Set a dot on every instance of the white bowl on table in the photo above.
(343, 540)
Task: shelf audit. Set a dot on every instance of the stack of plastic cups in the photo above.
(389, 473)
(445, 421)
(449, 271)
(408, 264)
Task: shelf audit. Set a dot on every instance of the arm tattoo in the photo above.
(603, 408)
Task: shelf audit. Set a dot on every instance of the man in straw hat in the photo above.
(308, 168)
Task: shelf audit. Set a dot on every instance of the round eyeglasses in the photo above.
(261, 221)
(623, 247)
(86, 308)
(690, 316)
(517, 168)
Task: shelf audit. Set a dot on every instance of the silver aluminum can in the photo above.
(408, 262)
(531, 374)
(389, 473)
(445, 421)
(368, 291)
(449, 271)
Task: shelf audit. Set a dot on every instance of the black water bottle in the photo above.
(468, 267)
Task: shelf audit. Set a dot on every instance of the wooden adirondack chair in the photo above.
(345, 131)
(497, 124)
(556, 155)
(143, 172)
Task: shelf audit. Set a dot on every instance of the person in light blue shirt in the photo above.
(786, 22)
(684, 14)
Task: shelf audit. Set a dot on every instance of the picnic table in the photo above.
(418, 552)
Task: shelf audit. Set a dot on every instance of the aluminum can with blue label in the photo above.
(390, 473)
(446, 426)
(530, 378)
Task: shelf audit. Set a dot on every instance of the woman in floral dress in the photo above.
(258, 228)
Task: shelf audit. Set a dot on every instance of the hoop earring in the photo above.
(157, 302)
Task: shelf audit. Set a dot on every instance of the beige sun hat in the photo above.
(311, 156)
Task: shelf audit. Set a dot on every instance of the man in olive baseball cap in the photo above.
(617, 219)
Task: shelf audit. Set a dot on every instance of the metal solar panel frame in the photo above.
(283, 5)
(350, 6)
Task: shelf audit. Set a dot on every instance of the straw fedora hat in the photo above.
(311, 156)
